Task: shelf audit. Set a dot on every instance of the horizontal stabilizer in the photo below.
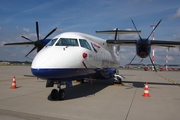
(122, 42)
(118, 32)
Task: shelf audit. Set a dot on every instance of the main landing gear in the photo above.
(56, 94)
(118, 79)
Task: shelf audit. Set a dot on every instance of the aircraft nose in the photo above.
(46, 73)
(60, 65)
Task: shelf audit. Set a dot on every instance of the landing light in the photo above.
(84, 55)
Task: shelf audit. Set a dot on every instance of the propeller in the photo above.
(38, 44)
(144, 43)
(138, 35)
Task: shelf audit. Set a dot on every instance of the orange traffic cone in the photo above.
(146, 91)
(14, 83)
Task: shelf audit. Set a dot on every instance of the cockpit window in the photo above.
(67, 42)
(84, 44)
(51, 43)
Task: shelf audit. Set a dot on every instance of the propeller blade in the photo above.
(154, 28)
(115, 38)
(136, 29)
(132, 59)
(26, 38)
(31, 51)
(50, 33)
(20, 43)
(152, 63)
(37, 30)
(141, 60)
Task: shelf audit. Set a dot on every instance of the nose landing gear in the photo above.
(58, 94)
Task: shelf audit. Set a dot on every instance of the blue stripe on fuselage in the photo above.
(72, 74)
(62, 74)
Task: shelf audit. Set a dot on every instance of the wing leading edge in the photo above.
(153, 43)
(165, 43)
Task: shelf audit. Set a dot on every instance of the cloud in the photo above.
(177, 14)
(17, 27)
(2, 43)
(176, 36)
(26, 29)
(170, 58)
(41, 7)
(59, 30)
(0, 28)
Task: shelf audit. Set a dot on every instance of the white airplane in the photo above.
(75, 56)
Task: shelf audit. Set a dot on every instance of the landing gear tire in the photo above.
(61, 95)
(119, 80)
(58, 94)
(54, 94)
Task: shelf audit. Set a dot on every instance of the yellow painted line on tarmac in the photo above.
(171, 81)
(175, 82)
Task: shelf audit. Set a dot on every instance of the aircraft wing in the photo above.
(20, 43)
(165, 43)
(153, 43)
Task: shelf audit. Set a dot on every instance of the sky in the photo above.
(18, 18)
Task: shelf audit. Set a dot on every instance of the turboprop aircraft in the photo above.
(74, 56)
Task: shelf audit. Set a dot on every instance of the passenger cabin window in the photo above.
(51, 43)
(84, 44)
(67, 42)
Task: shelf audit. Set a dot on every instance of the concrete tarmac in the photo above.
(101, 100)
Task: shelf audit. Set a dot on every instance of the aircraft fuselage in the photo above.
(72, 55)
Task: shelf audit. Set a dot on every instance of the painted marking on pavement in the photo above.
(170, 80)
